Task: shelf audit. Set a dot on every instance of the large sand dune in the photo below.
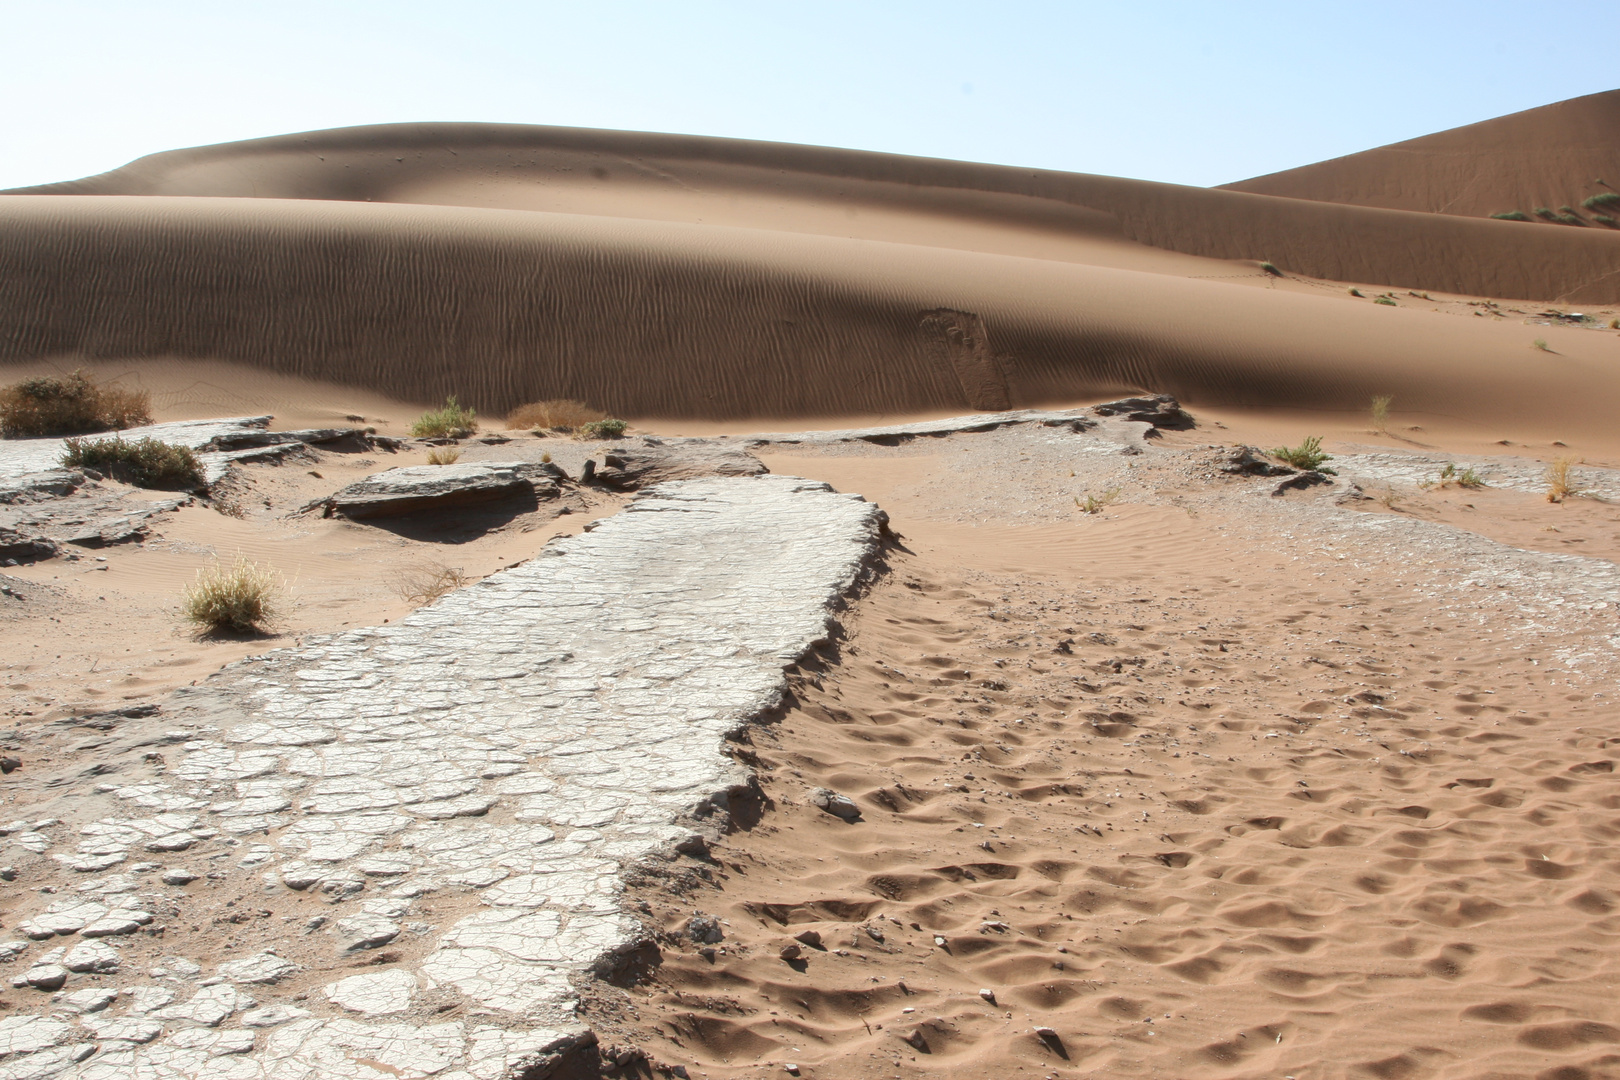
(686, 277)
(1553, 156)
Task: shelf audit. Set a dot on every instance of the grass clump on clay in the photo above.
(240, 598)
(1307, 455)
(602, 429)
(1561, 480)
(147, 463)
(445, 455)
(1094, 504)
(450, 422)
(559, 414)
(70, 405)
(1451, 476)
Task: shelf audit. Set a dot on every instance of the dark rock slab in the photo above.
(247, 439)
(1247, 461)
(415, 488)
(21, 547)
(1160, 410)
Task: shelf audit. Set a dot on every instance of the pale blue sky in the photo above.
(1191, 93)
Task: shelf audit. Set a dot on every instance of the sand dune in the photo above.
(1553, 156)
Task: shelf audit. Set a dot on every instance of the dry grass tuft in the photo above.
(240, 598)
(1451, 476)
(426, 582)
(1094, 504)
(1561, 480)
(71, 405)
(1540, 345)
(147, 463)
(1380, 413)
(559, 414)
(444, 455)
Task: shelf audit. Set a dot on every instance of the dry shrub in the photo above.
(1094, 503)
(425, 582)
(1560, 482)
(71, 405)
(559, 413)
(451, 422)
(241, 598)
(147, 463)
(446, 455)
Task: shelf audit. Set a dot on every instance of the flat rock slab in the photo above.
(479, 774)
(22, 461)
(415, 488)
(892, 434)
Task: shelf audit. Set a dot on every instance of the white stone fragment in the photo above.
(91, 956)
(88, 1001)
(381, 994)
(265, 967)
(272, 1016)
(145, 999)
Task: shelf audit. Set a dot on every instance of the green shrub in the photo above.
(71, 405)
(1307, 455)
(1545, 212)
(450, 422)
(1570, 219)
(147, 463)
(1605, 219)
(1512, 215)
(1602, 200)
(240, 598)
(602, 429)
(1354, 291)
(1385, 300)
(1271, 268)
(1450, 476)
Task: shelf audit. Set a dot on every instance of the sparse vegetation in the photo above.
(1271, 268)
(602, 429)
(1614, 324)
(1380, 413)
(1540, 344)
(561, 414)
(70, 405)
(1545, 212)
(1605, 219)
(1308, 455)
(1512, 215)
(1094, 503)
(1602, 200)
(147, 463)
(444, 455)
(240, 598)
(1561, 480)
(426, 582)
(1388, 300)
(1355, 291)
(1451, 476)
(1388, 497)
(450, 422)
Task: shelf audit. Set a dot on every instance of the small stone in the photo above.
(46, 976)
(916, 1039)
(988, 995)
(841, 806)
(178, 877)
(88, 1001)
(366, 932)
(939, 940)
(791, 951)
(811, 938)
(8, 873)
(707, 953)
(874, 933)
(703, 929)
(9, 764)
(186, 969)
(10, 950)
(792, 1069)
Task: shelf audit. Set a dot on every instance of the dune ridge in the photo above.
(1551, 156)
(666, 319)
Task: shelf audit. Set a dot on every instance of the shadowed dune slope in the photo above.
(1012, 211)
(1557, 155)
(649, 318)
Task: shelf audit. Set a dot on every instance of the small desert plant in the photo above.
(602, 429)
(1390, 301)
(71, 405)
(1388, 497)
(1307, 455)
(1380, 412)
(446, 455)
(1540, 344)
(1605, 219)
(147, 463)
(1512, 215)
(1355, 291)
(450, 422)
(1571, 219)
(1094, 503)
(426, 582)
(560, 413)
(1545, 212)
(1601, 199)
(1561, 480)
(242, 597)
(1614, 324)
(1271, 268)
(1451, 476)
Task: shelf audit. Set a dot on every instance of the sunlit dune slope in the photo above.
(654, 318)
(1037, 213)
(1554, 156)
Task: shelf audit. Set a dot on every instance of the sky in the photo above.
(1187, 93)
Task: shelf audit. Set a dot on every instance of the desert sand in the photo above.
(1214, 778)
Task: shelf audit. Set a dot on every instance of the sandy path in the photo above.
(1211, 784)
